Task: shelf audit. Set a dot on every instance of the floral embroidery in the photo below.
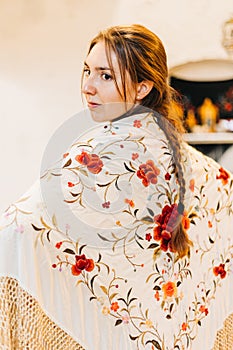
(141, 257)
(224, 176)
(82, 263)
(169, 289)
(92, 161)
(191, 185)
(166, 223)
(220, 271)
(167, 176)
(137, 123)
(114, 306)
(148, 172)
(135, 156)
(58, 245)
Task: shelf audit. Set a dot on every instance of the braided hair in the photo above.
(140, 52)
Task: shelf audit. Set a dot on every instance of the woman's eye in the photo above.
(106, 76)
(86, 72)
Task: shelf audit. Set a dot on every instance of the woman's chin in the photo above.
(109, 111)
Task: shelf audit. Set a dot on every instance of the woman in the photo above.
(126, 243)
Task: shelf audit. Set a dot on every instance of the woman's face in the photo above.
(103, 98)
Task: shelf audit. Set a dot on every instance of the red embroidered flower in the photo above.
(70, 184)
(130, 202)
(220, 271)
(82, 263)
(169, 289)
(167, 176)
(166, 223)
(92, 161)
(204, 309)
(137, 123)
(114, 306)
(148, 237)
(58, 245)
(224, 176)
(148, 172)
(184, 326)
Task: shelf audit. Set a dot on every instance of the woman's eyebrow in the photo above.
(98, 68)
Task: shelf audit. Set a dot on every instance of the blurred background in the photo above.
(43, 45)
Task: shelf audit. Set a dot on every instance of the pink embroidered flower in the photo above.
(106, 205)
(82, 263)
(92, 161)
(137, 123)
(135, 156)
(148, 172)
(125, 319)
(19, 228)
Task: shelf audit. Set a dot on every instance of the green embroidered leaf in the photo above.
(118, 322)
(150, 212)
(48, 238)
(127, 168)
(133, 338)
(155, 343)
(103, 238)
(104, 289)
(67, 163)
(37, 228)
(92, 298)
(92, 281)
(69, 251)
(153, 245)
(211, 240)
(156, 288)
(81, 248)
(44, 223)
(82, 171)
(54, 220)
(147, 219)
(112, 296)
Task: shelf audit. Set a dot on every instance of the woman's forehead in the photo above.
(98, 57)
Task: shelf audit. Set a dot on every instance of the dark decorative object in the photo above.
(198, 80)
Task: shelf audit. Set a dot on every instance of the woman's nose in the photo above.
(88, 87)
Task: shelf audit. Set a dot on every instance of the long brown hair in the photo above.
(141, 53)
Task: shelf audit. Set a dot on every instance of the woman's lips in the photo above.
(92, 105)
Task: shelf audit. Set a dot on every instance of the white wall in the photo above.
(42, 47)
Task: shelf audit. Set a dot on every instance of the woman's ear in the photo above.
(143, 89)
